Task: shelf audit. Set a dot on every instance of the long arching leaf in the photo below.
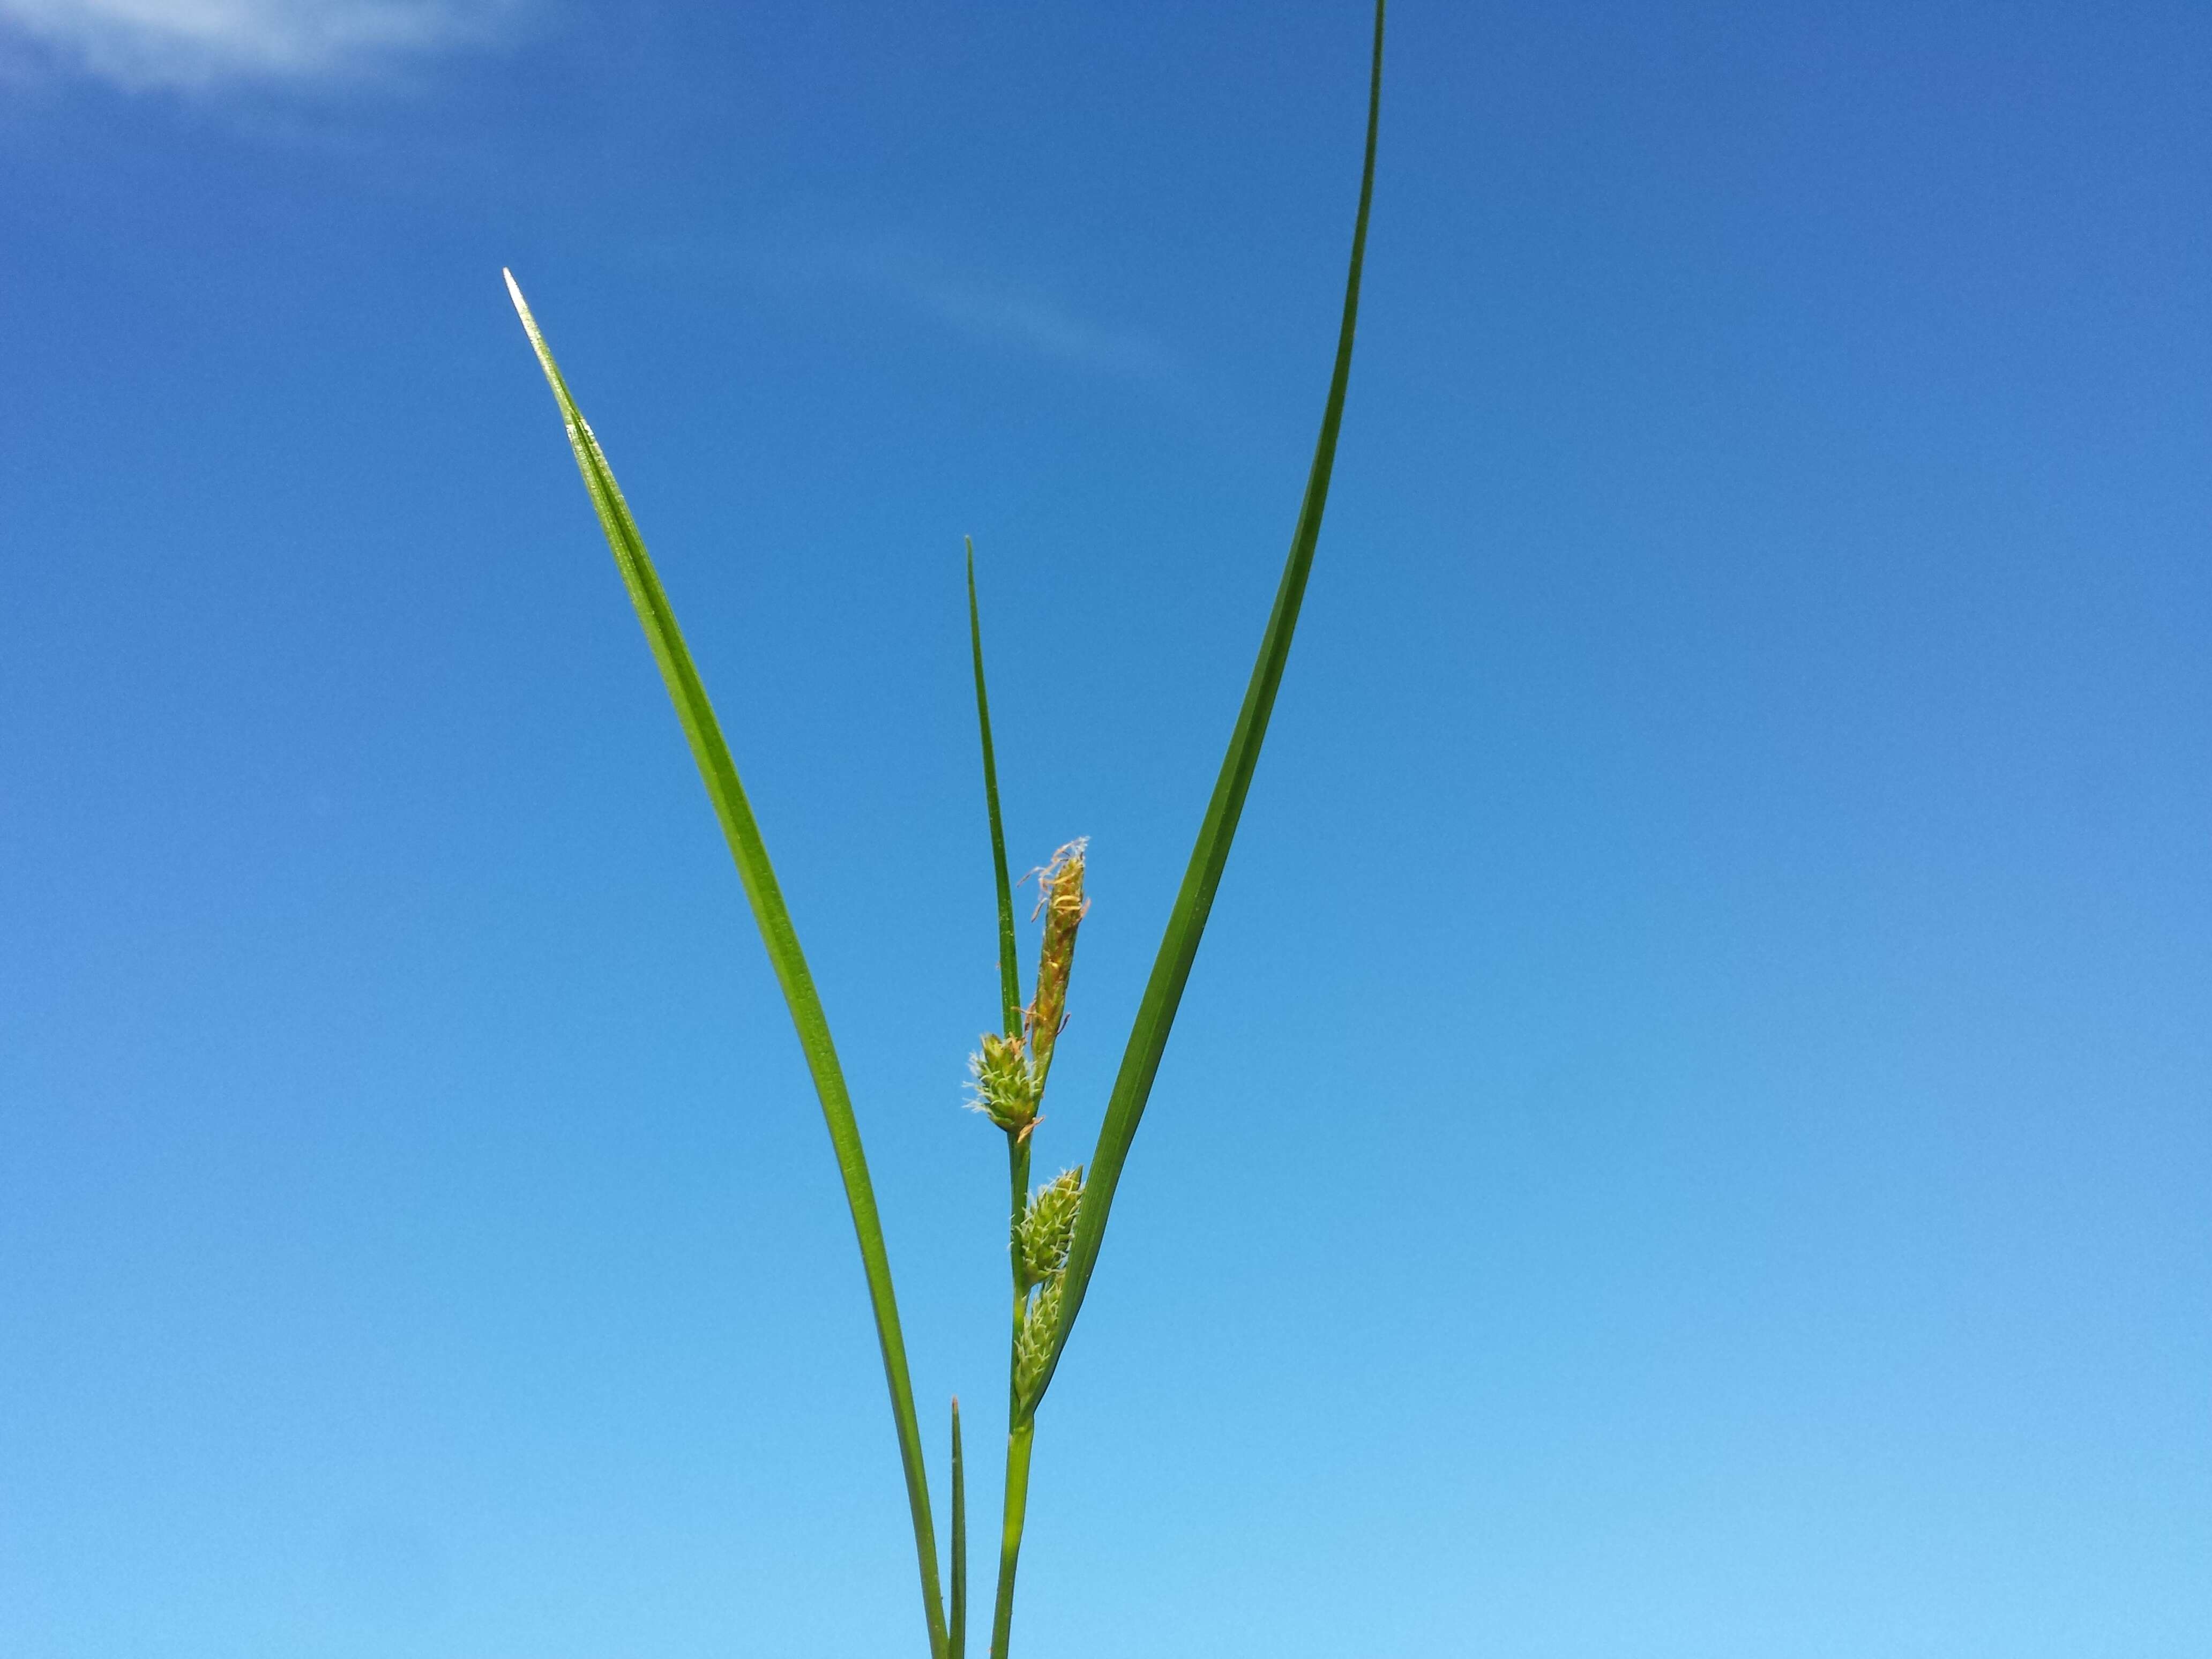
(720, 773)
(1156, 1012)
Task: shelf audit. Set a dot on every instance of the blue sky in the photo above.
(1689, 1135)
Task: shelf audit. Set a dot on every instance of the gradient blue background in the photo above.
(1689, 1133)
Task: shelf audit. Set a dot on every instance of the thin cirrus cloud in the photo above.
(968, 299)
(1032, 323)
(146, 44)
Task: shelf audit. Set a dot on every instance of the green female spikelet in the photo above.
(1003, 1085)
(1040, 1242)
(1033, 1348)
(1047, 1226)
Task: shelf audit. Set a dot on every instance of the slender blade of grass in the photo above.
(720, 773)
(1010, 969)
(1156, 1012)
(958, 1638)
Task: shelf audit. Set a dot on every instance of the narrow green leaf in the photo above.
(1010, 970)
(1156, 1012)
(959, 1617)
(751, 852)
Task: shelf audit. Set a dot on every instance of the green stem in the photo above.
(1018, 1170)
(1018, 1441)
(1021, 1429)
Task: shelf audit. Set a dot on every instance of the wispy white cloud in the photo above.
(1033, 323)
(982, 304)
(140, 43)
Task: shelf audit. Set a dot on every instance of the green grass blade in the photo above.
(959, 1617)
(1010, 969)
(746, 848)
(1156, 1012)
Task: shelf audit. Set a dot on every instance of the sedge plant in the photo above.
(1054, 1230)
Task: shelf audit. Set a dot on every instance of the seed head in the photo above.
(1003, 1085)
(1047, 1227)
(1033, 1347)
(1060, 896)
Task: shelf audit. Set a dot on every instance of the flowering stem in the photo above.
(1018, 1169)
(1018, 1440)
(1020, 1430)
